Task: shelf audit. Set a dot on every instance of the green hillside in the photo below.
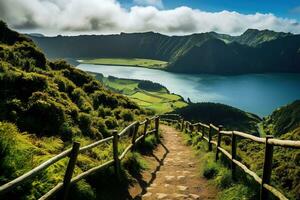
(148, 95)
(220, 114)
(44, 107)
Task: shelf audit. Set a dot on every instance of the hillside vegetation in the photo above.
(252, 52)
(220, 114)
(148, 95)
(44, 107)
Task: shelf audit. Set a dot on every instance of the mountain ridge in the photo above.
(253, 51)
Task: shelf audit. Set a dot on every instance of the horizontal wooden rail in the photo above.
(95, 144)
(214, 127)
(16, 182)
(79, 177)
(25, 177)
(285, 143)
(251, 137)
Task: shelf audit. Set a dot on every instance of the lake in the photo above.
(256, 93)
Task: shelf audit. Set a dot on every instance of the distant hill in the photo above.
(252, 52)
(254, 37)
(285, 121)
(219, 114)
(36, 35)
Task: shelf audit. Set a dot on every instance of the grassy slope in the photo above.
(44, 106)
(160, 101)
(136, 62)
(220, 114)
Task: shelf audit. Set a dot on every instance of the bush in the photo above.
(43, 116)
(134, 163)
(127, 115)
(210, 171)
(224, 179)
(82, 190)
(111, 123)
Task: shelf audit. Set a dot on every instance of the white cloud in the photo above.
(108, 16)
(156, 3)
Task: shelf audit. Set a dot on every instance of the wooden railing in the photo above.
(72, 153)
(208, 131)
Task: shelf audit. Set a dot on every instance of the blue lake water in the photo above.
(256, 93)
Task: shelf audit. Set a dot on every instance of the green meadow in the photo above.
(136, 62)
(159, 99)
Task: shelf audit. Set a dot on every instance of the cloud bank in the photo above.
(108, 16)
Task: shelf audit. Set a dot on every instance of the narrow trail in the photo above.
(173, 172)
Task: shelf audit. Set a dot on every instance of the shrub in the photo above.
(134, 163)
(224, 179)
(111, 123)
(43, 116)
(82, 190)
(210, 171)
(102, 98)
(91, 87)
(127, 115)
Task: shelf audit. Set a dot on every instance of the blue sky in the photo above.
(281, 8)
(171, 17)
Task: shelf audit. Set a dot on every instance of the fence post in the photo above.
(233, 156)
(209, 138)
(191, 129)
(134, 134)
(266, 178)
(202, 131)
(219, 141)
(157, 128)
(117, 165)
(145, 129)
(70, 169)
(198, 128)
(182, 124)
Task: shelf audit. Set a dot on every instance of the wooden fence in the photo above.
(131, 130)
(208, 131)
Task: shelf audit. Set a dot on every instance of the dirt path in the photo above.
(173, 172)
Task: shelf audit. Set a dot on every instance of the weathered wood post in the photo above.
(219, 141)
(135, 132)
(117, 165)
(145, 129)
(266, 178)
(70, 169)
(182, 124)
(209, 138)
(191, 129)
(203, 129)
(233, 156)
(157, 128)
